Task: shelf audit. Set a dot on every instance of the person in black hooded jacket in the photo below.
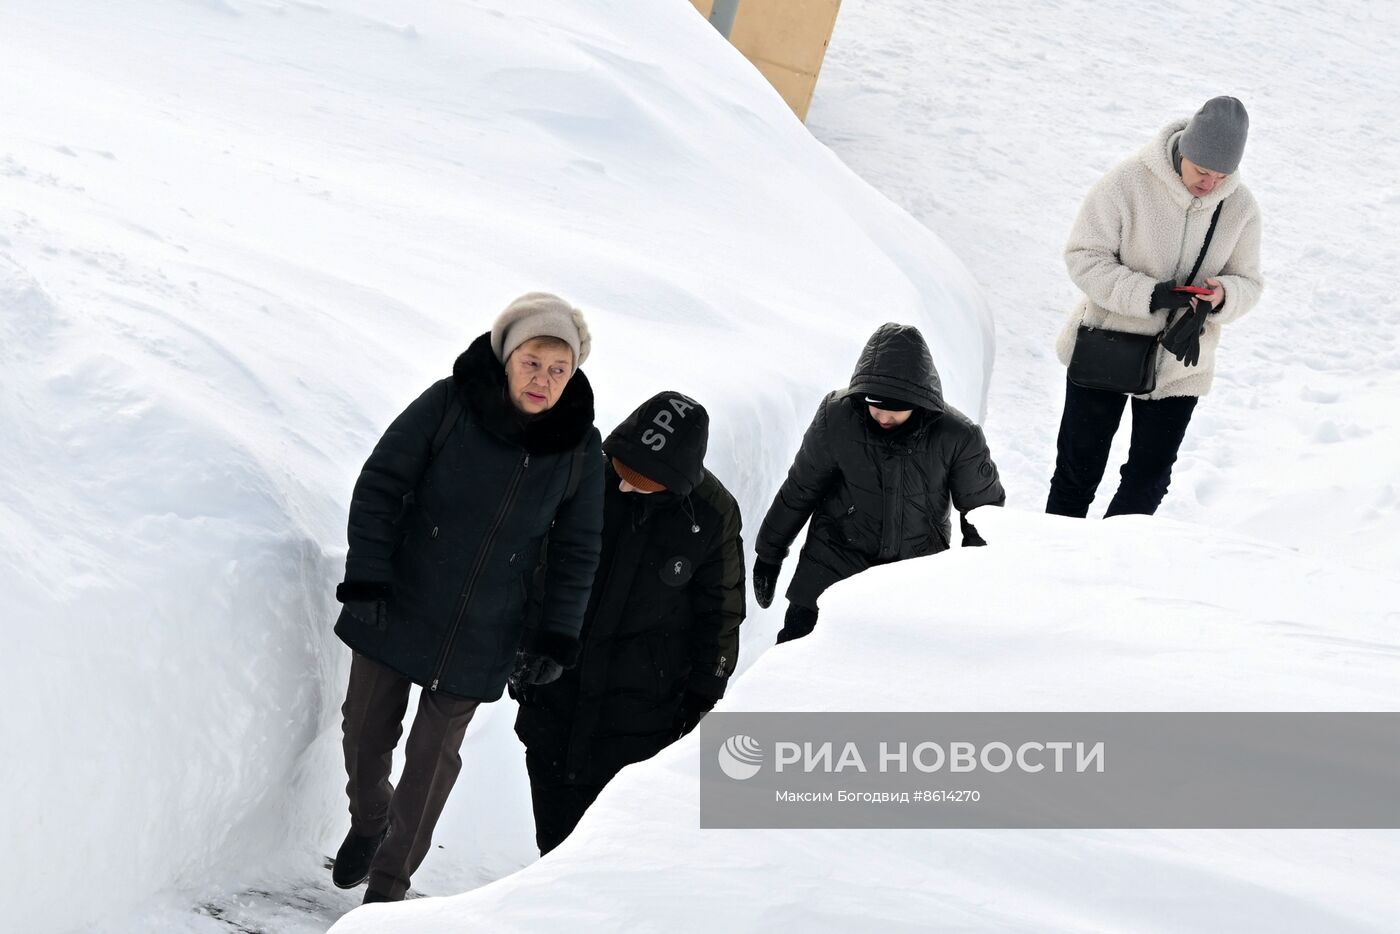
(875, 474)
(661, 635)
(448, 522)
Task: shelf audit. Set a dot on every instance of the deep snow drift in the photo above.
(236, 238)
(1253, 627)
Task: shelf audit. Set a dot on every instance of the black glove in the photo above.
(798, 622)
(522, 694)
(765, 581)
(532, 669)
(693, 707)
(1165, 299)
(971, 538)
(1183, 338)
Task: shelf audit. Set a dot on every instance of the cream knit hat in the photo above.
(539, 314)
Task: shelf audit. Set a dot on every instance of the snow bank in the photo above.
(1238, 625)
(236, 237)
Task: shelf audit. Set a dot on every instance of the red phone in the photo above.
(1193, 290)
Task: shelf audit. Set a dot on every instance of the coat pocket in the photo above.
(937, 541)
(846, 525)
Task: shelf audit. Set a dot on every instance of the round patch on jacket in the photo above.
(676, 571)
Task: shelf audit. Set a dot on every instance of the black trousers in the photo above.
(558, 804)
(1087, 428)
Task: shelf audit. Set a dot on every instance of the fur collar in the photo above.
(481, 380)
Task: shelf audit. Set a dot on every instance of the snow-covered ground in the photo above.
(1029, 623)
(990, 121)
(236, 236)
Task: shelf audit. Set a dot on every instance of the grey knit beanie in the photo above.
(1214, 139)
(539, 314)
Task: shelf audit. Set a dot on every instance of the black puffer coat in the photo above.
(457, 563)
(664, 615)
(876, 496)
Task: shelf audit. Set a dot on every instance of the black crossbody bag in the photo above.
(1119, 361)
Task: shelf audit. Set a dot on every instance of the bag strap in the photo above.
(1210, 232)
(449, 419)
(1214, 219)
(575, 476)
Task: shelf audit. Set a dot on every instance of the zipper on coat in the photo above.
(892, 522)
(470, 585)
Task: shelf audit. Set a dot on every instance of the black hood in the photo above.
(664, 440)
(896, 363)
(481, 380)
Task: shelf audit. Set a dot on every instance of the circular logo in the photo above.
(676, 571)
(740, 757)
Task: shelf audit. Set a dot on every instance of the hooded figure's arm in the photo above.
(575, 544)
(717, 608)
(808, 480)
(393, 470)
(973, 479)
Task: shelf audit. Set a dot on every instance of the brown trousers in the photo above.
(375, 704)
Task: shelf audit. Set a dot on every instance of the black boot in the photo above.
(371, 896)
(353, 858)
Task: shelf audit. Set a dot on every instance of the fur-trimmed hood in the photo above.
(481, 380)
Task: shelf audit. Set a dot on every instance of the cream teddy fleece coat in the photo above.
(1140, 225)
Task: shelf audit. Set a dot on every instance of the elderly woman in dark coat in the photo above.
(447, 525)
